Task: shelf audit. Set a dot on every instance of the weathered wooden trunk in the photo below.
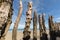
(43, 34)
(53, 30)
(35, 26)
(14, 32)
(5, 17)
(26, 32)
(51, 27)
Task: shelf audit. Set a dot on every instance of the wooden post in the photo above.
(5, 17)
(43, 34)
(51, 28)
(43, 22)
(26, 32)
(14, 32)
(40, 25)
(35, 26)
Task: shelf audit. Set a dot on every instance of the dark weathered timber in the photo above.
(26, 32)
(35, 26)
(43, 34)
(51, 29)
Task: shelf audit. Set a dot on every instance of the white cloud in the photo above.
(57, 19)
(12, 25)
(20, 26)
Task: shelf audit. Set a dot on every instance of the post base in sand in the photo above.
(26, 35)
(2, 38)
(34, 38)
(44, 37)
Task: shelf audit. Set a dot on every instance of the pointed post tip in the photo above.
(21, 3)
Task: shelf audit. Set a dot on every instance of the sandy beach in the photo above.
(20, 35)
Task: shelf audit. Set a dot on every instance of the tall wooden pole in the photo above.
(26, 32)
(51, 24)
(5, 17)
(40, 25)
(14, 32)
(43, 22)
(43, 34)
(51, 28)
(35, 26)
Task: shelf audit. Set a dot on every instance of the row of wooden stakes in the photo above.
(26, 33)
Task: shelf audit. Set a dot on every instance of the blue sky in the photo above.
(49, 7)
